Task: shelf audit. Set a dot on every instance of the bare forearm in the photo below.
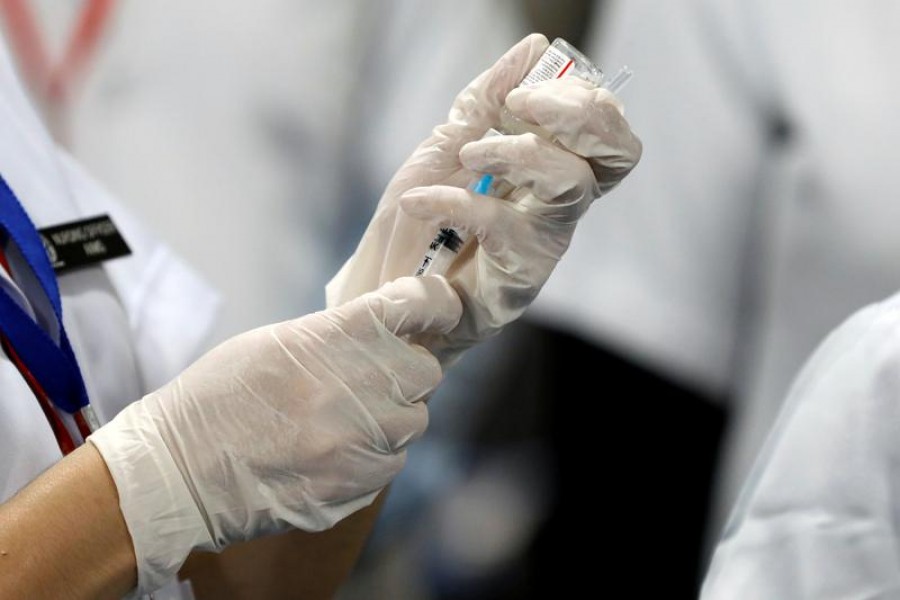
(313, 566)
(63, 536)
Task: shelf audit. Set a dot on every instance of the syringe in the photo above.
(447, 243)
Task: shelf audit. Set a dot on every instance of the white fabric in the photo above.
(120, 317)
(728, 254)
(818, 516)
(220, 124)
(296, 424)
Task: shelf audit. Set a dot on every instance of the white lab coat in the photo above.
(134, 322)
(729, 253)
(221, 123)
(818, 518)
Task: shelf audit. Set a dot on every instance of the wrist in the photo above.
(63, 536)
(162, 517)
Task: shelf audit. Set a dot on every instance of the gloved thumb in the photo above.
(411, 305)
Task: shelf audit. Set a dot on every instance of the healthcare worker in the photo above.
(818, 516)
(228, 105)
(292, 425)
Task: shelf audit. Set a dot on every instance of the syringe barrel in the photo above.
(441, 253)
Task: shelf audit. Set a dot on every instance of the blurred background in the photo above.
(257, 139)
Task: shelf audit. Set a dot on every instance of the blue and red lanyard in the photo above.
(48, 365)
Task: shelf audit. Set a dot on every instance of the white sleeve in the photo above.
(818, 515)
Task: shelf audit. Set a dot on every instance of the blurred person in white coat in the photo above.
(764, 213)
(817, 518)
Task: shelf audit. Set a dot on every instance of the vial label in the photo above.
(552, 65)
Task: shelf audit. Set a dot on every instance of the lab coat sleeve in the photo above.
(172, 310)
(818, 515)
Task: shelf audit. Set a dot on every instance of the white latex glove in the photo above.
(818, 517)
(296, 424)
(519, 239)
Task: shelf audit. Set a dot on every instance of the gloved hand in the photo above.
(520, 238)
(296, 424)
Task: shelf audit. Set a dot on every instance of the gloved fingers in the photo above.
(587, 120)
(499, 226)
(396, 384)
(569, 93)
(375, 329)
(477, 107)
(411, 305)
(400, 424)
(396, 314)
(563, 183)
